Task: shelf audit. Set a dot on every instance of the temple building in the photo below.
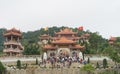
(64, 43)
(111, 40)
(12, 42)
(44, 39)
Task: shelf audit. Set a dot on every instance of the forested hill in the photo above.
(96, 42)
(1, 39)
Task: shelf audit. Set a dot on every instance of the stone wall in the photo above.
(46, 71)
(55, 71)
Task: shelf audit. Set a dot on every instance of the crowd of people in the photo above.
(63, 61)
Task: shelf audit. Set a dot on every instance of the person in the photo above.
(40, 62)
(69, 62)
(84, 62)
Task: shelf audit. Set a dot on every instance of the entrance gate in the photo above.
(63, 52)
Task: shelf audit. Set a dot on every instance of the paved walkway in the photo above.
(14, 59)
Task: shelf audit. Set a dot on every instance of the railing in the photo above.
(12, 42)
(12, 50)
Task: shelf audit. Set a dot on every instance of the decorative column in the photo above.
(10, 53)
(11, 38)
(70, 52)
(6, 39)
(10, 46)
(18, 39)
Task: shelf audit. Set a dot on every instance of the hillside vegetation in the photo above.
(95, 45)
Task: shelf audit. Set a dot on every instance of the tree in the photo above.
(105, 63)
(18, 64)
(113, 53)
(83, 55)
(88, 67)
(36, 61)
(2, 68)
(88, 61)
(97, 43)
(97, 65)
(31, 49)
(2, 39)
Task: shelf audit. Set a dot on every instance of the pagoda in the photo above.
(12, 42)
(44, 39)
(67, 33)
(64, 43)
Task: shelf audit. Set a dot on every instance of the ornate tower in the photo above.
(12, 43)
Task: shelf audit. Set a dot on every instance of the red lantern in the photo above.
(80, 28)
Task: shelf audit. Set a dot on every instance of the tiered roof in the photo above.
(69, 42)
(66, 31)
(44, 36)
(17, 34)
(13, 31)
(63, 40)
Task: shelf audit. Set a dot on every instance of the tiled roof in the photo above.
(13, 31)
(66, 31)
(86, 35)
(70, 38)
(112, 39)
(44, 35)
(77, 47)
(49, 47)
(63, 40)
(111, 42)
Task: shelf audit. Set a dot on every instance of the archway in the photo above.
(74, 54)
(52, 54)
(63, 52)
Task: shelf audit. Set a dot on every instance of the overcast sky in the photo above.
(102, 16)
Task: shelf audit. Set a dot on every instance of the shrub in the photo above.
(36, 61)
(97, 65)
(109, 71)
(18, 64)
(88, 61)
(88, 67)
(105, 63)
(2, 68)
